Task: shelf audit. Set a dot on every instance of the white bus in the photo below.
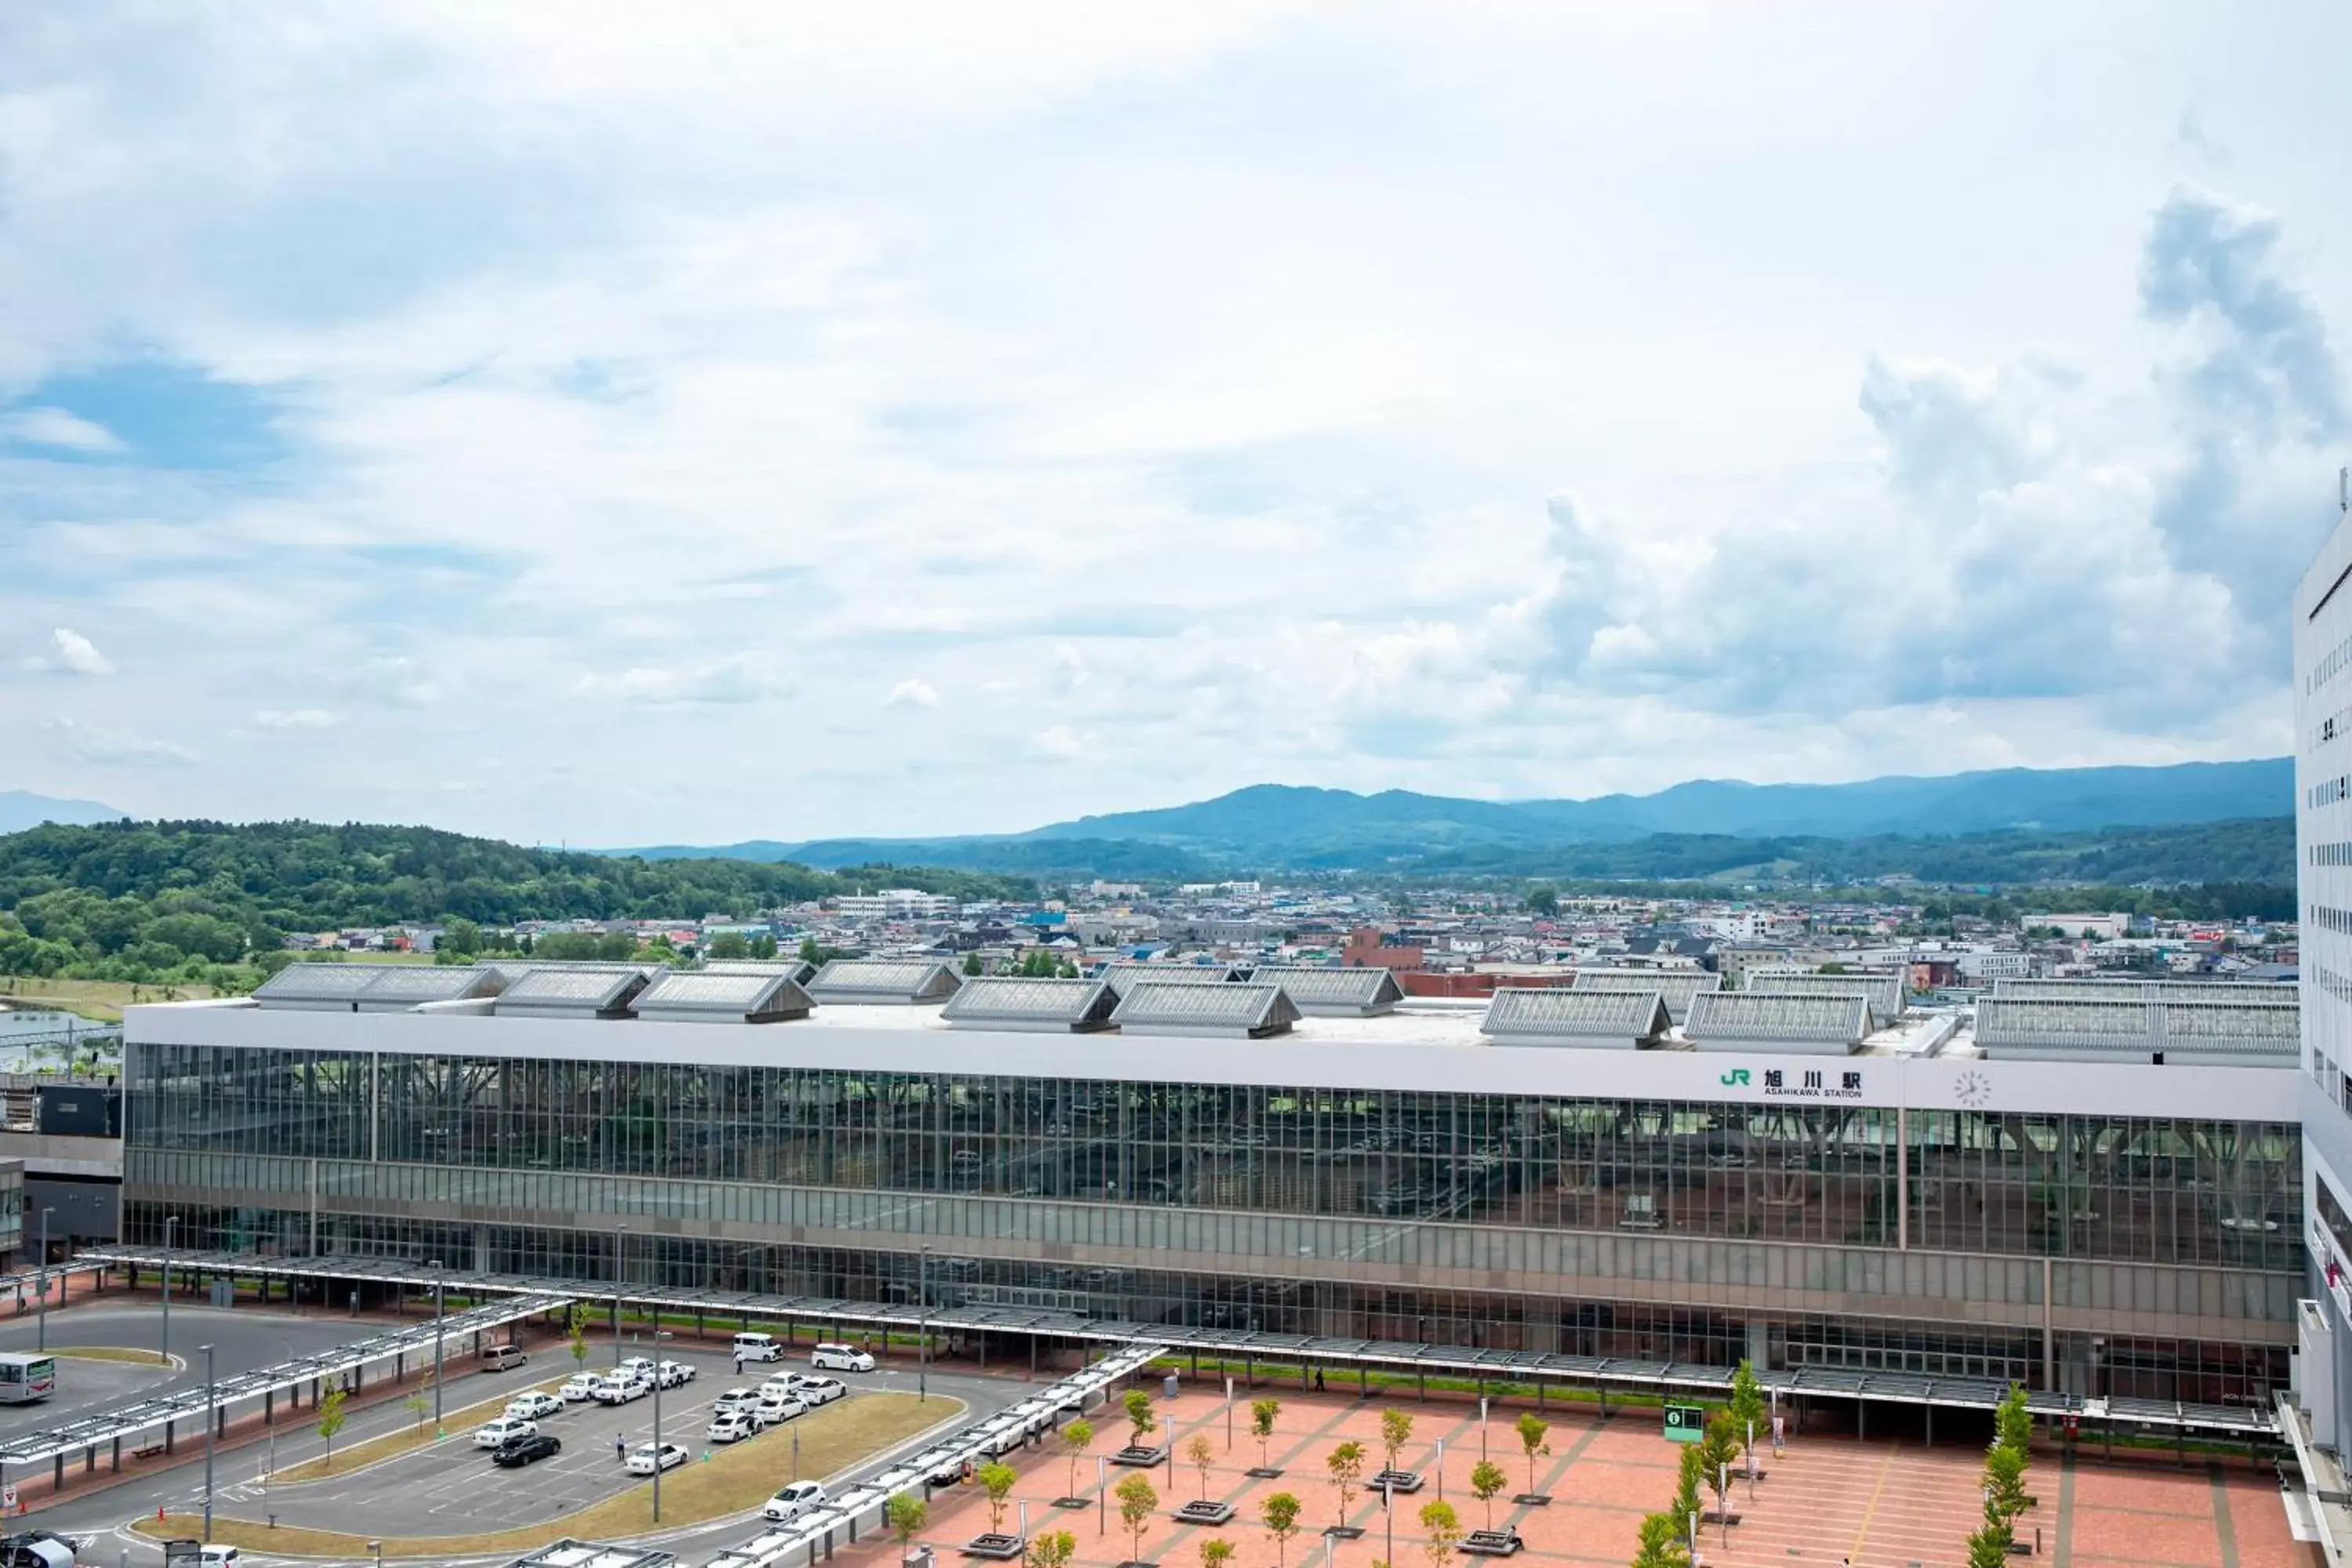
(24, 1379)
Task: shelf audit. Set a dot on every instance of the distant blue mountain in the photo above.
(19, 811)
(1279, 826)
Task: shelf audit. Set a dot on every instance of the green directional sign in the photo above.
(1686, 1422)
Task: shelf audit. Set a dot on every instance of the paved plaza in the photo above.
(1830, 1499)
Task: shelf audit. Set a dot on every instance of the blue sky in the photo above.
(599, 425)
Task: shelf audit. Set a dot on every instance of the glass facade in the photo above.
(1619, 1227)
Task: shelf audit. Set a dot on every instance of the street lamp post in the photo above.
(43, 1342)
(212, 1427)
(923, 1339)
(620, 1259)
(171, 1222)
(437, 1283)
(660, 1334)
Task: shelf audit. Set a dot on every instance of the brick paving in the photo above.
(1828, 1499)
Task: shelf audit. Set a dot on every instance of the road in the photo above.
(452, 1488)
(240, 1340)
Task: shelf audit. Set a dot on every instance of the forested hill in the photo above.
(302, 876)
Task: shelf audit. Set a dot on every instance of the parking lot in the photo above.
(451, 1487)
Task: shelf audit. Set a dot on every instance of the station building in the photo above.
(2099, 1194)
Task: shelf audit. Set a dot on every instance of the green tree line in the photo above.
(176, 900)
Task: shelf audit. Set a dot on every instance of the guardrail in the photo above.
(863, 1507)
(110, 1427)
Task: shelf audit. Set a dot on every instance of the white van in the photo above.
(840, 1358)
(758, 1347)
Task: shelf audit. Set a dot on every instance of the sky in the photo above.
(612, 424)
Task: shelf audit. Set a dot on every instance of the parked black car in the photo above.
(517, 1452)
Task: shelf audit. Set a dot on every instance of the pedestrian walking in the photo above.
(739, 1362)
(620, 1447)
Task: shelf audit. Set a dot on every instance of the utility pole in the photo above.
(437, 1282)
(171, 1222)
(620, 1258)
(211, 1427)
(923, 1344)
(43, 1342)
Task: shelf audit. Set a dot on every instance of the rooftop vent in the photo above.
(1677, 986)
(800, 971)
(701, 996)
(1023, 1002)
(374, 987)
(1240, 1012)
(1121, 977)
(1886, 994)
(317, 987)
(572, 990)
(1549, 1015)
(1748, 1020)
(899, 981)
(1333, 992)
(2145, 990)
(2222, 1032)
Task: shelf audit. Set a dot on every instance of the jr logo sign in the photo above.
(1736, 1078)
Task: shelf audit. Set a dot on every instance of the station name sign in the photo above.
(1796, 1083)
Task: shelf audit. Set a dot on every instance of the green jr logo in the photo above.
(1736, 1078)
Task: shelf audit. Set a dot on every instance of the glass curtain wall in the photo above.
(2139, 1189)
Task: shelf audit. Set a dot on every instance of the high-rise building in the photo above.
(2322, 843)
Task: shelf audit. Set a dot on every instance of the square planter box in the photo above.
(1263, 1472)
(996, 1548)
(1342, 1532)
(1139, 1459)
(1399, 1481)
(1715, 1516)
(1533, 1500)
(1072, 1502)
(1492, 1543)
(1209, 1512)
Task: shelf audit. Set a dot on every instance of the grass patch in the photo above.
(101, 1001)
(129, 1353)
(405, 1439)
(737, 1478)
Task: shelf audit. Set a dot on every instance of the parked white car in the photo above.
(580, 1387)
(815, 1391)
(758, 1347)
(737, 1399)
(776, 1408)
(642, 1365)
(800, 1498)
(620, 1388)
(643, 1459)
(673, 1373)
(731, 1426)
(840, 1358)
(532, 1405)
(491, 1434)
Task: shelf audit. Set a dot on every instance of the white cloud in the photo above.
(75, 654)
(739, 679)
(57, 427)
(296, 719)
(111, 748)
(912, 694)
(1236, 469)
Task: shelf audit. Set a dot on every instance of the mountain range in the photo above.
(1279, 827)
(20, 810)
